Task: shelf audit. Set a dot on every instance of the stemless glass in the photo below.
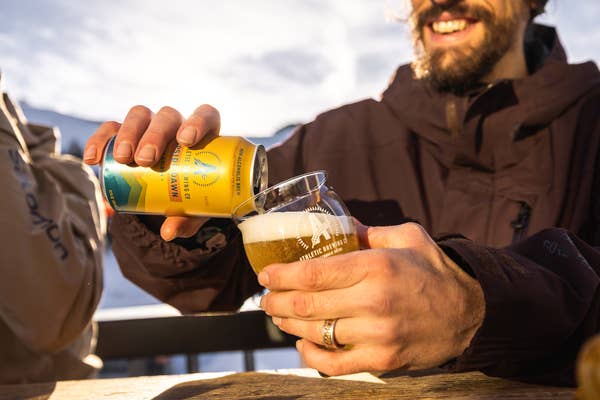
(298, 219)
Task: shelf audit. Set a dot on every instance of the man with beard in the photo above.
(490, 141)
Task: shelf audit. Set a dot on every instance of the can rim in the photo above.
(108, 146)
(322, 178)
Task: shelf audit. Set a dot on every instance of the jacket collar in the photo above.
(531, 101)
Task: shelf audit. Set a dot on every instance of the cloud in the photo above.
(300, 66)
(263, 63)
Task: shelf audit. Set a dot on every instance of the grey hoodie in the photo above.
(52, 227)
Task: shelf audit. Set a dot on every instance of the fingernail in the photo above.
(263, 279)
(168, 234)
(262, 303)
(276, 320)
(187, 136)
(90, 153)
(124, 150)
(147, 153)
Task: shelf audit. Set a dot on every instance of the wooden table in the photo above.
(288, 385)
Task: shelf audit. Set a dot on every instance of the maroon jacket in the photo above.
(514, 167)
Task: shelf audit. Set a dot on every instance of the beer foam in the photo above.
(290, 225)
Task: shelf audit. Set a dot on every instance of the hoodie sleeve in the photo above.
(52, 231)
(542, 303)
(206, 272)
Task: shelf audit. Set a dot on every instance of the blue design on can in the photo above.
(116, 188)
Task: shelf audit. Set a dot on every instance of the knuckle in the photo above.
(417, 234)
(381, 304)
(153, 134)
(413, 227)
(381, 263)
(303, 305)
(206, 109)
(140, 111)
(109, 127)
(170, 114)
(127, 132)
(313, 274)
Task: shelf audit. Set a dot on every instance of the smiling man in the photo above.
(460, 44)
(490, 141)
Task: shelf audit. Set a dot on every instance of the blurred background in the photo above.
(265, 64)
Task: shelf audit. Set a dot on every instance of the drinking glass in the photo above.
(298, 219)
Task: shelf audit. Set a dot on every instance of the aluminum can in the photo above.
(210, 179)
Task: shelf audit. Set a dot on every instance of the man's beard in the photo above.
(470, 64)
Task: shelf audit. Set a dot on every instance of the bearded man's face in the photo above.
(458, 42)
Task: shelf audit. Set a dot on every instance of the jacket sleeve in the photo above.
(206, 272)
(542, 303)
(52, 231)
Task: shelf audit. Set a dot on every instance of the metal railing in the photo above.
(147, 331)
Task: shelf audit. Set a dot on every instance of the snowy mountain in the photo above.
(75, 131)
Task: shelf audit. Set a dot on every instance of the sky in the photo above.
(262, 63)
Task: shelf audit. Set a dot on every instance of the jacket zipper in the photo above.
(520, 224)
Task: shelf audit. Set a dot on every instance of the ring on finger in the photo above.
(328, 335)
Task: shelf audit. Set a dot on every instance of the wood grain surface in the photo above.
(265, 386)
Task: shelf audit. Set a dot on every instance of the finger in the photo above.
(323, 273)
(174, 227)
(160, 132)
(408, 235)
(205, 121)
(361, 300)
(132, 129)
(347, 331)
(342, 362)
(313, 305)
(94, 148)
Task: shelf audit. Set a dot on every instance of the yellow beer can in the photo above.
(210, 179)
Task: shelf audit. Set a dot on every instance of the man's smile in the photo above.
(448, 29)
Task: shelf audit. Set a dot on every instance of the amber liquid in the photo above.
(261, 254)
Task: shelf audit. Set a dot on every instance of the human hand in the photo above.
(143, 137)
(401, 303)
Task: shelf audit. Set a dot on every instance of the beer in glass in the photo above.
(298, 219)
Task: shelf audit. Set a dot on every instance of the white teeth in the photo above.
(452, 26)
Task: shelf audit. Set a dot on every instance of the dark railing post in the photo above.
(192, 363)
(249, 360)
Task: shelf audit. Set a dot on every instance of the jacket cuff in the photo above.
(533, 308)
(166, 259)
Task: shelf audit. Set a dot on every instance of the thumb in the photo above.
(174, 227)
(407, 235)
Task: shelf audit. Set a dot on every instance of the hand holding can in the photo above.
(144, 133)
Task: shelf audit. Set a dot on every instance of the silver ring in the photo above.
(328, 333)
